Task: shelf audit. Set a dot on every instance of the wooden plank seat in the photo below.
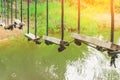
(17, 21)
(32, 36)
(55, 40)
(51, 40)
(18, 24)
(9, 27)
(2, 24)
(96, 42)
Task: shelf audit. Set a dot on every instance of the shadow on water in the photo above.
(22, 60)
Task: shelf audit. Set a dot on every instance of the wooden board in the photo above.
(2, 24)
(18, 23)
(96, 42)
(32, 36)
(52, 39)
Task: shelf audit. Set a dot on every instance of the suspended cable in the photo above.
(29, 35)
(28, 16)
(46, 17)
(112, 21)
(78, 16)
(36, 18)
(21, 10)
(11, 11)
(16, 9)
(7, 12)
(62, 20)
(1, 12)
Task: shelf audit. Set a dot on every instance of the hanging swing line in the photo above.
(7, 13)
(1, 13)
(50, 40)
(11, 12)
(16, 9)
(5, 10)
(79, 16)
(47, 18)
(8, 26)
(62, 20)
(35, 18)
(76, 41)
(21, 10)
(112, 21)
(17, 22)
(29, 35)
(28, 21)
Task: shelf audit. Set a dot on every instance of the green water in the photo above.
(23, 60)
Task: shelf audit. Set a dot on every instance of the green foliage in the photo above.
(88, 25)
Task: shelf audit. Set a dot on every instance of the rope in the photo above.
(112, 21)
(11, 11)
(46, 17)
(35, 18)
(1, 11)
(7, 12)
(28, 17)
(21, 10)
(15, 9)
(78, 16)
(62, 20)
